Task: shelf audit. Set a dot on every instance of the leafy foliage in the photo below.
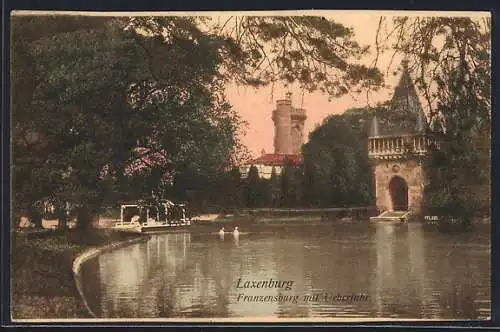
(118, 108)
(317, 53)
(451, 56)
(435, 47)
(337, 170)
(114, 108)
(459, 171)
(61, 137)
(290, 185)
(102, 99)
(252, 188)
(274, 189)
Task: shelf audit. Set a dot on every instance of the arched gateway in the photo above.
(397, 151)
(398, 189)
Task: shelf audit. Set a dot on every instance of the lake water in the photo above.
(394, 271)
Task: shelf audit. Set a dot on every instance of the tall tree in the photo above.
(337, 170)
(234, 189)
(110, 107)
(290, 183)
(318, 53)
(274, 187)
(252, 188)
(435, 48)
(114, 111)
(61, 137)
(451, 57)
(265, 193)
(459, 171)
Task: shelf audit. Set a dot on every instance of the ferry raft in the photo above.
(161, 216)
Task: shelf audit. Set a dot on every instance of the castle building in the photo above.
(288, 139)
(288, 127)
(397, 149)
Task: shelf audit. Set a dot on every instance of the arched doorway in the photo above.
(399, 194)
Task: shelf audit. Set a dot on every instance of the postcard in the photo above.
(279, 166)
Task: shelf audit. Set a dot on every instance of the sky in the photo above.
(256, 105)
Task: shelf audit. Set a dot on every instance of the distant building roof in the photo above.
(275, 159)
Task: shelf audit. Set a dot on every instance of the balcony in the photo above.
(398, 147)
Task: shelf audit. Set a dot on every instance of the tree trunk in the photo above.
(35, 217)
(63, 220)
(87, 216)
(83, 218)
(62, 217)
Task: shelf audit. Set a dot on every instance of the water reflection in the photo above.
(400, 275)
(403, 270)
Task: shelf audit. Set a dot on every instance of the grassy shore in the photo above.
(42, 279)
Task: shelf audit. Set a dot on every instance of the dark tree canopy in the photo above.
(98, 111)
(437, 49)
(317, 53)
(337, 171)
(68, 123)
(450, 58)
(107, 108)
(113, 107)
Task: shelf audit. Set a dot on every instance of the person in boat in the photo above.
(135, 219)
(221, 232)
(236, 232)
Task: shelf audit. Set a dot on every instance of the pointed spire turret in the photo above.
(421, 123)
(437, 124)
(405, 96)
(404, 63)
(374, 131)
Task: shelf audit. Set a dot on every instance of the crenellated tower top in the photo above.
(289, 126)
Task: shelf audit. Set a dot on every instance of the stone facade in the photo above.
(288, 139)
(282, 127)
(267, 162)
(288, 127)
(298, 117)
(398, 151)
(265, 171)
(410, 171)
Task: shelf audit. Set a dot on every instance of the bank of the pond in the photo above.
(293, 216)
(43, 280)
(329, 215)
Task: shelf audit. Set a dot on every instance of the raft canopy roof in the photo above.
(148, 203)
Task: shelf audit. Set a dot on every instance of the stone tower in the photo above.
(298, 117)
(288, 126)
(397, 149)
